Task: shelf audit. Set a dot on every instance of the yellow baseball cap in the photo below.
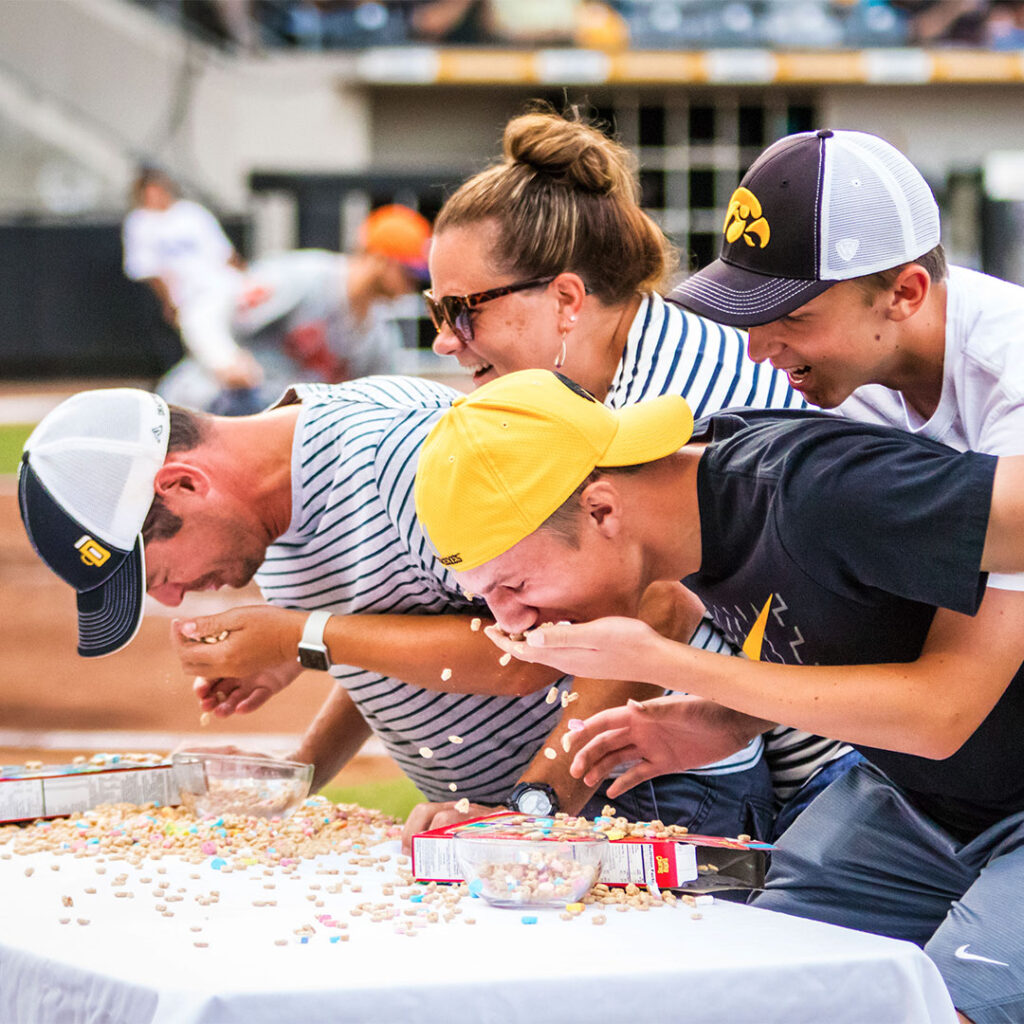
(505, 457)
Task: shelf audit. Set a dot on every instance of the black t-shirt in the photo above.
(852, 534)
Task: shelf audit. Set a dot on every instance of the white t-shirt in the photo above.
(982, 403)
(184, 246)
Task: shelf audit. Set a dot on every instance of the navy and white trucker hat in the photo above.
(85, 485)
(814, 208)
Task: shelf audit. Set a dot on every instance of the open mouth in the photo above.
(797, 375)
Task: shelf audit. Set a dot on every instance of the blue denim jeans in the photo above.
(718, 805)
(811, 789)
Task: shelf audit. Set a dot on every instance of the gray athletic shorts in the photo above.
(862, 856)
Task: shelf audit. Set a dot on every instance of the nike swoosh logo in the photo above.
(962, 954)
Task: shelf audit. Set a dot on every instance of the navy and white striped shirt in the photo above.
(673, 351)
(354, 545)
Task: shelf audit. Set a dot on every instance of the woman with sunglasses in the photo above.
(545, 259)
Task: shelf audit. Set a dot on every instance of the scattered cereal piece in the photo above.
(598, 919)
(205, 718)
(426, 752)
(566, 740)
(505, 659)
(552, 695)
(455, 739)
(453, 786)
(550, 754)
(446, 674)
(475, 625)
(462, 806)
(528, 919)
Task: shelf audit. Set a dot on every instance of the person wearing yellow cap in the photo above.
(251, 330)
(847, 558)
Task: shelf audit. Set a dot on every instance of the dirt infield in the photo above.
(50, 697)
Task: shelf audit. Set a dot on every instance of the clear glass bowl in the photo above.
(264, 787)
(516, 872)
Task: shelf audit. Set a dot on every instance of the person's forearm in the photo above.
(436, 652)
(928, 707)
(333, 738)
(593, 696)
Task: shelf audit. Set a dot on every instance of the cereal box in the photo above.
(38, 790)
(693, 863)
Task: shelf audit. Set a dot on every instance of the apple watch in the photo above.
(536, 798)
(313, 651)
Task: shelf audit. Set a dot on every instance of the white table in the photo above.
(130, 964)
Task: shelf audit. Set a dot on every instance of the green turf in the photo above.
(12, 440)
(395, 797)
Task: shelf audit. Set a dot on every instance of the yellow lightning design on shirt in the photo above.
(755, 638)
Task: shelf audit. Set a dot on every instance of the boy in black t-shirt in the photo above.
(846, 558)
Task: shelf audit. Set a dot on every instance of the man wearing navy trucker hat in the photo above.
(71, 463)
(831, 260)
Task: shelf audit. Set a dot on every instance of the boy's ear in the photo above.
(909, 291)
(603, 505)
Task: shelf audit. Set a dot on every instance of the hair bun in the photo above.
(568, 151)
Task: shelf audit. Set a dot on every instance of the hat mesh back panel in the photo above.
(878, 213)
(91, 480)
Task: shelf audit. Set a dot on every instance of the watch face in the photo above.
(534, 801)
(314, 657)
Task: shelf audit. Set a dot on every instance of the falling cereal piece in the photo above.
(469, 596)
(504, 659)
(446, 674)
(205, 718)
(453, 786)
(221, 696)
(566, 740)
(475, 625)
(552, 695)
(550, 753)
(426, 752)
(569, 698)
(455, 739)
(462, 806)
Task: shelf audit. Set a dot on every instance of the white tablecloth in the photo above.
(131, 964)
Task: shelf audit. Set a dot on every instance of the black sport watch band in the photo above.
(536, 798)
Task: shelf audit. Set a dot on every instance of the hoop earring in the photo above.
(560, 358)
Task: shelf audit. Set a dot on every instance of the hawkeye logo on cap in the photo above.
(91, 552)
(743, 220)
(451, 559)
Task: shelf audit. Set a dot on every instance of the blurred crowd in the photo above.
(253, 25)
